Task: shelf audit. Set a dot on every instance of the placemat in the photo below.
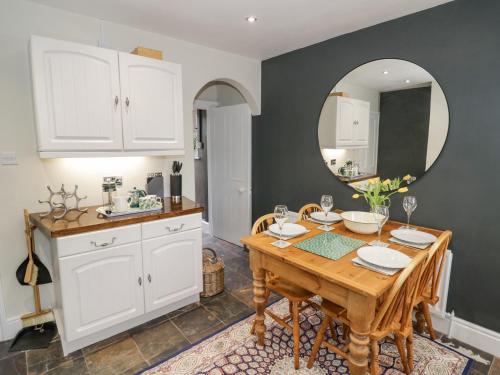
(330, 245)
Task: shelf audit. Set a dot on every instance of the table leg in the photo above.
(360, 312)
(259, 291)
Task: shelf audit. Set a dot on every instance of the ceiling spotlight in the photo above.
(385, 72)
(251, 19)
(407, 81)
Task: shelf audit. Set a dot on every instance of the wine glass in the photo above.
(381, 215)
(326, 205)
(409, 205)
(281, 216)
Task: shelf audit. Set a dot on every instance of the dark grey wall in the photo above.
(403, 132)
(459, 44)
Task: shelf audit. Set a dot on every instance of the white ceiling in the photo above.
(371, 75)
(283, 25)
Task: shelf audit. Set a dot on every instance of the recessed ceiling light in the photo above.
(407, 81)
(385, 72)
(251, 19)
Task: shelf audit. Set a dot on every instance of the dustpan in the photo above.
(35, 337)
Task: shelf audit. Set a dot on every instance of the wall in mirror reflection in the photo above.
(386, 118)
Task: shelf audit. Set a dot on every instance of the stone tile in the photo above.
(115, 358)
(43, 360)
(234, 280)
(495, 367)
(195, 321)
(106, 342)
(4, 349)
(238, 265)
(206, 333)
(13, 365)
(70, 367)
(183, 310)
(227, 307)
(159, 341)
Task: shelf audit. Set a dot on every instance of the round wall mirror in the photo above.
(385, 119)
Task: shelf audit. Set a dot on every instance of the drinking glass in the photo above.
(326, 205)
(409, 205)
(281, 216)
(381, 215)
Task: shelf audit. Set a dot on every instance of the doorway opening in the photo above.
(222, 165)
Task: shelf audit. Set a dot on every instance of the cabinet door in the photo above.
(172, 268)
(76, 92)
(101, 289)
(345, 121)
(362, 119)
(151, 92)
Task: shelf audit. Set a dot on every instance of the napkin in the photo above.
(409, 244)
(372, 267)
(272, 234)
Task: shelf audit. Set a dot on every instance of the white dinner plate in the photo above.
(384, 257)
(332, 217)
(289, 229)
(413, 236)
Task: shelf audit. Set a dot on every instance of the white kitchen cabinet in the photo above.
(151, 91)
(172, 267)
(92, 101)
(76, 91)
(344, 123)
(100, 289)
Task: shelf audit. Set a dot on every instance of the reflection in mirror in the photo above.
(384, 119)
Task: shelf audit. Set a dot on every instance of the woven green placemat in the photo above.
(330, 245)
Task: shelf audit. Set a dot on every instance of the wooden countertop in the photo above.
(356, 178)
(76, 223)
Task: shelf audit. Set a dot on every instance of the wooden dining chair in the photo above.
(394, 316)
(305, 211)
(298, 297)
(429, 283)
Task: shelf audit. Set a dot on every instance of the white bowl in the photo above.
(360, 222)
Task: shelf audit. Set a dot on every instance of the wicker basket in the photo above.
(213, 273)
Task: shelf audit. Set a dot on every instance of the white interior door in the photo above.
(229, 170)
(372, 150)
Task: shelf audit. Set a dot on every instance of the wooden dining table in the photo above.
(353, 287)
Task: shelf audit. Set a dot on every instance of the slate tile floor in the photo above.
(138, 348)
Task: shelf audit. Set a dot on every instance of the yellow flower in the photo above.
(355, 196)
(373, 180)
(402, 190)
(407, 177)
(387, 182)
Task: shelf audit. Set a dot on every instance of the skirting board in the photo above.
(472, 334)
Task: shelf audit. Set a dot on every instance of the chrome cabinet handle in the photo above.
(149, 277)
(116, 100)
(171, 230)
(127, 102)
(103, 244)
(140, 280)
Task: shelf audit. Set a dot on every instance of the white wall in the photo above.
(222, 93)
(438, 124)
(361, 93)
(22, 185)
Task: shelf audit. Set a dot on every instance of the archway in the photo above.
(222, 153)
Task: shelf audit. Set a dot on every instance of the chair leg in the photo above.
(266, 297)
(296, 333)
(345, 332)
(409, 350)
(402, 353)
(374, 369)
(333, 330)
(428, 320)
(319, 340)
(420, 326)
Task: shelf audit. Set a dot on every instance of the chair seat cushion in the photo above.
(289, 290)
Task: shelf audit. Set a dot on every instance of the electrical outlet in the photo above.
(333, 161)
(8, 158)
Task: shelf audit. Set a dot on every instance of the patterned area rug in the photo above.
(234, 351)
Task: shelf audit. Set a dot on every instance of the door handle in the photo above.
(103, 244)
(140, 281)
(175, 229)
(116, 101)
(149, 277)
(127, 102)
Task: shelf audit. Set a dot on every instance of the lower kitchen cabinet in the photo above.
(100, 289)
(172, 267)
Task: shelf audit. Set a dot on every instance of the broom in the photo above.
(31, 276)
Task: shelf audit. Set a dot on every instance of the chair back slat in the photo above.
(398, 304)
(262, 223)
(306, 211)
(434, 265)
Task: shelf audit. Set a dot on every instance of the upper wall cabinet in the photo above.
(92, 101)
(152, 107)
(344, 123)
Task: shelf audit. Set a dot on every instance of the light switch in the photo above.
(8, 158)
